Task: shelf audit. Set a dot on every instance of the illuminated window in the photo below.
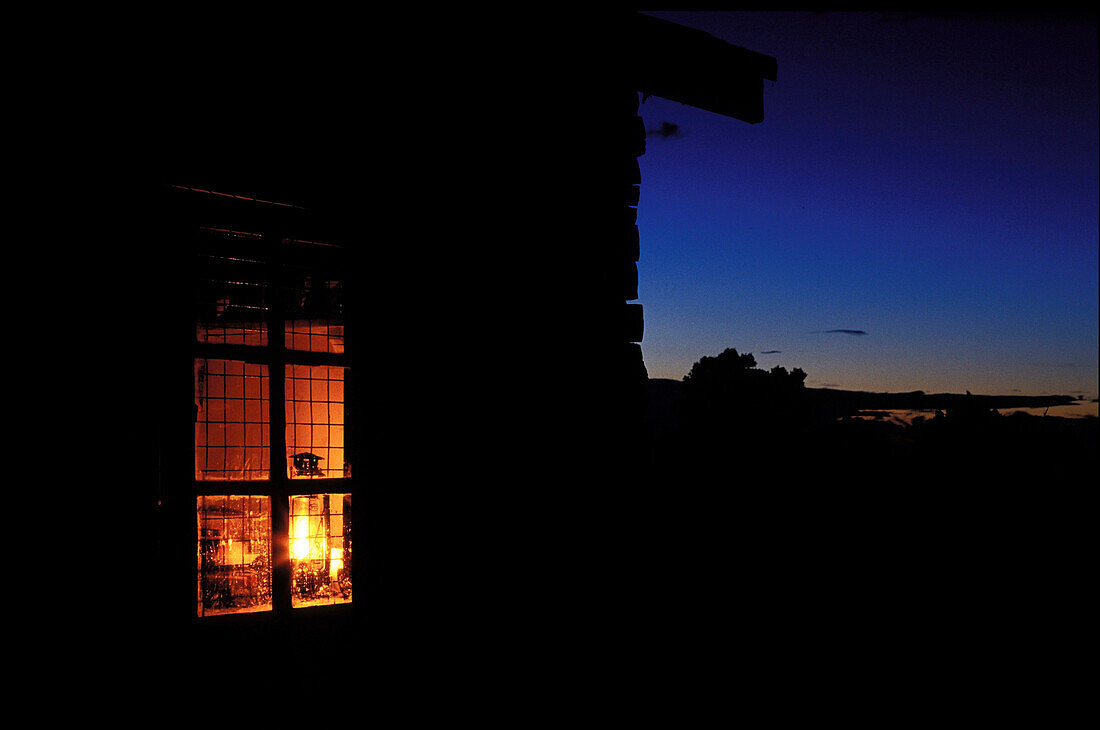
(269, 411)
(234, 557)
(320, 549)
(315, 422)
(231, 420)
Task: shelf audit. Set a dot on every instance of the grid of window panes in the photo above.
(315, 422)
(246, 283)
(320, 549)
(232, 301)
(234, 554)
(313, 298)
(315, 335)
(232, 420)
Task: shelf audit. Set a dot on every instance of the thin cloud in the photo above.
(771, 352)
(857, 333)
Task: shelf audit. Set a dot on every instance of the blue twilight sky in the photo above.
(930, 181)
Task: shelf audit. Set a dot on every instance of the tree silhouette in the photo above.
(737, 418)
(729, 367)
(729, 393)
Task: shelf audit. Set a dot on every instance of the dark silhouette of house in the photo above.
(496, 381)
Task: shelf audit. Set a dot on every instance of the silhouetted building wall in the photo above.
(496, 379)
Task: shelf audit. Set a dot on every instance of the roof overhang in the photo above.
(695, 68)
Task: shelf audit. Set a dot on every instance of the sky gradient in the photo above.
(918, 210)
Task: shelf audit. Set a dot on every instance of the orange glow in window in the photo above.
(233, 560)
(315, 422)
(231, 421)
(320, 549)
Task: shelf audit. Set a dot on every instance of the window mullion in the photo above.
(280, 485)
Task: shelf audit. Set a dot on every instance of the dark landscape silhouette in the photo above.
(799, 511)
(727, 409)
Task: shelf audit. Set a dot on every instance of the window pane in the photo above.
(314, 427)
(320, 549)
(313, 300)
(315, 334)
(234, 554)
(232, 294)
(231, 424)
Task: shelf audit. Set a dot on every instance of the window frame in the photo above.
(280, 226)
